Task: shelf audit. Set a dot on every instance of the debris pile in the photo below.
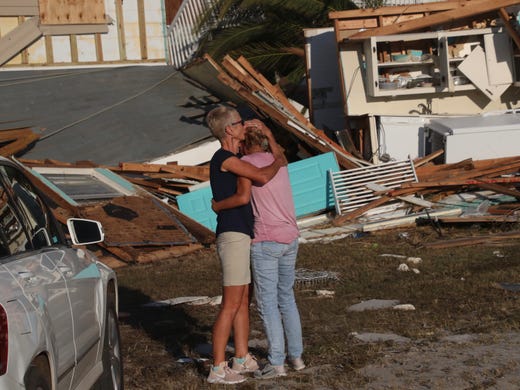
(139, 227)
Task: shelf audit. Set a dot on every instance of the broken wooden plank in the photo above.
(426, 159)
(455, 182)
(137, 167)
(398, 10)
(504, 209)
(466, 241)
(239, 73)
(16, 140)
(275, 92)
(465, 10)
(430, 172)
(199, 173)
(169, 191)
(143, 182)
(301, 132)
(500, 189)
(266, 104)
(341, 219)
(480, 219)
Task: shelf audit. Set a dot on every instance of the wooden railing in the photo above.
(183, 35)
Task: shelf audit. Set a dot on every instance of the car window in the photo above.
(40, 225)
(12, 236)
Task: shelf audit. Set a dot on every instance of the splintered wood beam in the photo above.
(398, 10)
(471, 170)
(136, 167)
(340, 220)
(498, 189)
(426, 159)
(53, 162)
(143, 182)
(169, 191)
(244, 72)
(278, 111)
(273, 90)
(6, 135)
(466, 10)
(193, 172)
(238, 72)
(509, 27)
(200, 173)
(439, 172)
(18, 145)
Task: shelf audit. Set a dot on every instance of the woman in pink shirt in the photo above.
(273, 254)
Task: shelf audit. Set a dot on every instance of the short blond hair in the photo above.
(217, 120)
(255, 137)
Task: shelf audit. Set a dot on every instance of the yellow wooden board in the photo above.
(72, 11)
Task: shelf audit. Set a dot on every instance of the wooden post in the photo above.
(121, 29)
(142, 29)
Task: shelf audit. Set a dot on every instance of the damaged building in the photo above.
(412, 116)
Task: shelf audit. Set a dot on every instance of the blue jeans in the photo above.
(273, 267)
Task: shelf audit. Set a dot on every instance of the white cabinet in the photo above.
(439, 62)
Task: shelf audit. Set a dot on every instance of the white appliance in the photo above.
(476, 137)
(401, 137)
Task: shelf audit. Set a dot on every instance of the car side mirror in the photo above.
(85, 231)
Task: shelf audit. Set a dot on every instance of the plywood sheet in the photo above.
(72, 11)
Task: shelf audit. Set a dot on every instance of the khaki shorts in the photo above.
(234, 249)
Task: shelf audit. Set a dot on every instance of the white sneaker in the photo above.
(245, 364)
(225, 375)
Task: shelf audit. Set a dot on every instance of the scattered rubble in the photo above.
(148, 226)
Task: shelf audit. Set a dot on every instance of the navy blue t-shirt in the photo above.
(223, 185)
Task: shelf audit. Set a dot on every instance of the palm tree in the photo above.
(268, 33)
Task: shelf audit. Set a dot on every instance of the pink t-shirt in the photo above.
(273, 206)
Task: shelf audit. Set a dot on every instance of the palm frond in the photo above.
(269, 33)
(271, 59)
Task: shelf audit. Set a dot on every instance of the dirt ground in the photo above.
(462, 362)
(459, 362)
(463, 334)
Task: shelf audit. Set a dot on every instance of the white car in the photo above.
(58, 304)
